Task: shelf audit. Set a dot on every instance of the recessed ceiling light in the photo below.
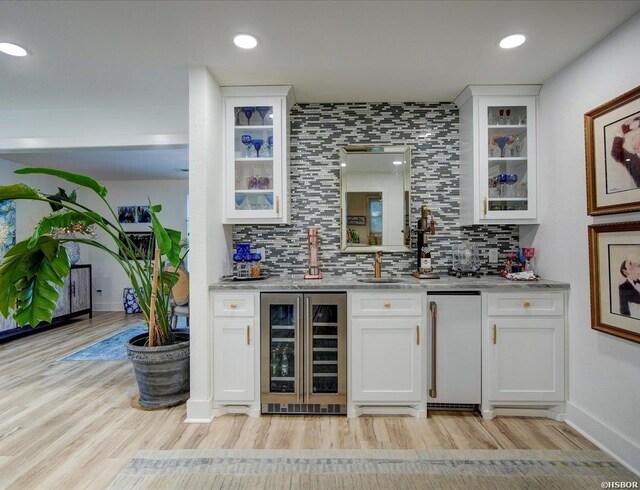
(245, 41)
(397, 162)
(13, 49)
(512, 41)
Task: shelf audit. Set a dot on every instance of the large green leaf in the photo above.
(28, 277)
(81, 180)
(168, 240)
(19, 191)
(61, 196)
(63, 220)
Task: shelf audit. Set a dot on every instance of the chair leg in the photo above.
(188, 324)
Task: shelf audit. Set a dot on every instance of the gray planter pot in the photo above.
(162, 372)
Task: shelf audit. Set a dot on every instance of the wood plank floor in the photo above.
(70, 424)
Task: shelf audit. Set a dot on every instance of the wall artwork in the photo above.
(614, 253)
(142, 214)
(143, 243)
(7, 226)
(127, 214)
(612, 133)
(357, 220)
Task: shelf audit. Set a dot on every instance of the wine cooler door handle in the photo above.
(433, 307)
(298, 351)
(308, 353)
(248, 334)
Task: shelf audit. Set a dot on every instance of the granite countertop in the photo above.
(340, 283)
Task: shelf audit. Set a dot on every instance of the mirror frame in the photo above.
(344, 152)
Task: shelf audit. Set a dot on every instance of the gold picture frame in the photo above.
(612, 139)
(614, 270)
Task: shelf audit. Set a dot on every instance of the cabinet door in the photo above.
(386, 359)
(526, 359)
(255, 159)
(233, 359)
(63, 305)
(80, 289)
(507, 158)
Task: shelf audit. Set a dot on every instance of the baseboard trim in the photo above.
(610, 441)
(199, 411)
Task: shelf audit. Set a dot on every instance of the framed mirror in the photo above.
(375, 186)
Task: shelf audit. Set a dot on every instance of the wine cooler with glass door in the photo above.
(303, 353)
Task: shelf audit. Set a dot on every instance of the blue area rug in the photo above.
(112, 348)
(109, 349)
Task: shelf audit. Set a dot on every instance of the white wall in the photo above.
(107, 275)
(29, 213)
(604, 382)
(210, 240)
(104, 127)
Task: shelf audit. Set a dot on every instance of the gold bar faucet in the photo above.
(377, 265)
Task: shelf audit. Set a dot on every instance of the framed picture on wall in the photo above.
(126, 214)
(143, 242)
(357, 220)
(612, 137)
(614, 254)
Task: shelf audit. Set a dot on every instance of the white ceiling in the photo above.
(93, 54)
(111, 163)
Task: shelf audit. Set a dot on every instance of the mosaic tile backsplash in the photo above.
(317, 133)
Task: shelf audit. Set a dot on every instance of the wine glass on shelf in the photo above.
(492, 118)
(270, 145)
(511, 179)
(248, 112)
(528, 253)
(501, 118)
(501, 142)
(247, 140)
(263, 111)
(257, 144)
(237, 111)
(508, 114)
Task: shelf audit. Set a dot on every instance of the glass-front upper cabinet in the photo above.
(256, 166)
(498, 162)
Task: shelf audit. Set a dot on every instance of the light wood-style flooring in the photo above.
(71, 425)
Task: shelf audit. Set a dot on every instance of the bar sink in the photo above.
(379, 280)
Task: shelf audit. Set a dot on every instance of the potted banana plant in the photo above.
(33, 272)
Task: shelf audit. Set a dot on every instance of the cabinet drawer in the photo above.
(526, 303)
(386, 304)
(234, 304)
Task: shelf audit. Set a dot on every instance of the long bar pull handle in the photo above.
(307, 355)
(298, 351)
(433, 307)
(484, 205)
(248, 334)
(495, 334)
(277, 204)
(417, 334)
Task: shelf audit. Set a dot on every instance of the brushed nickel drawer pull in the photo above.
(233, 306)
(495, 334)
(387, 305)
(278, 205)
(417, 334)
(248, 334)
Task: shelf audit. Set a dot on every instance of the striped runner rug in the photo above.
(371, 469)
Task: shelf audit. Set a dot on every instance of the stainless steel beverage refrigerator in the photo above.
(303, 353)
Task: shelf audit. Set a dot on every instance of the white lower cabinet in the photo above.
(387, 353)
(235, 353)
(524, 351)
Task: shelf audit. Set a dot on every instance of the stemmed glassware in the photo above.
(270, 145)
(511, 179)
(238, 110)
(257, 144)
(528, 253)
(501, 118)
(263, 111)
(247, 140)
(248, 112)
(508, 114)
(501, 142)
